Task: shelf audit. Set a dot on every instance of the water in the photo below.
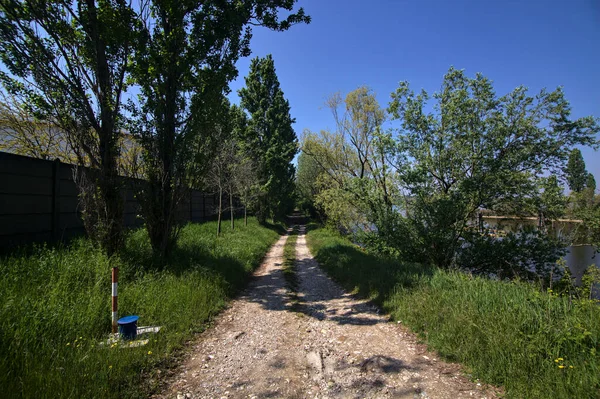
(579, 257)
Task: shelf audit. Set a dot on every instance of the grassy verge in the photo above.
(536, 345)
(56, 309)
(289, 259)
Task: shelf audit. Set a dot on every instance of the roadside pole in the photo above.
(115, 276)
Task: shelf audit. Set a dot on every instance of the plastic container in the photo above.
(128, 327)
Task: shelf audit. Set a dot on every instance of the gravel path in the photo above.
(329, 345)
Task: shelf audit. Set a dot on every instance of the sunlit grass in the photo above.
(534, 344)
(56, 309)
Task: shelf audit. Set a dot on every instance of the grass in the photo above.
(534, 344)
(289, 260)
(56, 309)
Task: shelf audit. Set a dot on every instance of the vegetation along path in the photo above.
(315, 342)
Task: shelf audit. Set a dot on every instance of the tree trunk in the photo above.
(220, 209)
(108, 213)
(231, 211)
(165, 185)
(245, 216)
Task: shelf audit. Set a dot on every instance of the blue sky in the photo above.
(378, 43)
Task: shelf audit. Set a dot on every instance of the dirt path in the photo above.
(330, 345)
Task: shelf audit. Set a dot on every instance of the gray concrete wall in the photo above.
(39, 202)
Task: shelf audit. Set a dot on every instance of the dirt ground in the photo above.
(329, 345)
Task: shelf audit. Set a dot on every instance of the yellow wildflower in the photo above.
(149, 352)
(561, 366)
(571, 367)
(110, 367)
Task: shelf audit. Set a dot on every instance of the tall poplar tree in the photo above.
(269, 138)
(575, 170)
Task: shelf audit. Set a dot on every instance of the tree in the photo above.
(590, 182)
(244, 171)
(269, 137)
(183, 64)
(221, 178)
(553, 203)
(70, 61)
(22, 133)
(307, 187)
(575, 171)
(477, 150)
(358, 182)
(230, 172)
(246, 183)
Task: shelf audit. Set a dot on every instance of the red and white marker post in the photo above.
(115, 278)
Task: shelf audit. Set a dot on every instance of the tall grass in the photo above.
(535, 344)
(55, 309)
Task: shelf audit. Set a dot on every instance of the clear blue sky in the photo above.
(378, 43)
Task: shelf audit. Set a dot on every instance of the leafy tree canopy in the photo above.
(477, 149)
(70, 60)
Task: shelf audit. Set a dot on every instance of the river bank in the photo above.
(534, 344)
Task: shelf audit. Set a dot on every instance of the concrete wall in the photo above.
(39, 202)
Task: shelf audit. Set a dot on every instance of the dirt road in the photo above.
(329, 345)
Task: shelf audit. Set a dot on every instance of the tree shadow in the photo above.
(138, 259)
(384, 364)
(279, 228)
(321, 298)
(367, 275)
(268, 291)
(315, 295)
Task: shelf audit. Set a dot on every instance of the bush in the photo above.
(530, 255)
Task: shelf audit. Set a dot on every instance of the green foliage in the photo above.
(575, 171)
(530, 255)
(56, 309)
(307, 177)
(269, 138)
(552, 203)
(478, 150)
(357, 186)
(590, 182)
(183, 64)
(589, 232)
(590, 283)
(69, 61)
(534, 344)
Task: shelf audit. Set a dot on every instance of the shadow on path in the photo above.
(316, 296)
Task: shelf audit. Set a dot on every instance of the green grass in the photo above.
(289, 260)
(55, 309)
(506, 333)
